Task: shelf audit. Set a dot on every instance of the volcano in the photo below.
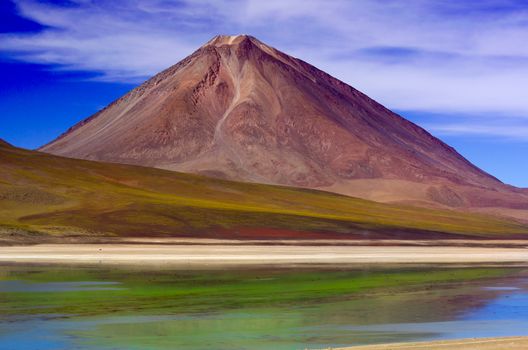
(242, 110)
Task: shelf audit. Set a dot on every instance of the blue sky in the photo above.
(457, 68)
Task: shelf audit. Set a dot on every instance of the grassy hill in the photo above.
(42, 194)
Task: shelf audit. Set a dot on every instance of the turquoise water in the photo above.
(45, 307)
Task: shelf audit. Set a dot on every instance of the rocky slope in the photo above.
(242, 110)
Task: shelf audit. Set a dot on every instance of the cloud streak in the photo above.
(421, 55)
(512, 132)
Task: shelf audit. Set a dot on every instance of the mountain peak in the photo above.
(221, 40)
(242, 110)
(243, 44)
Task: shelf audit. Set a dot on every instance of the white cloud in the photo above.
(421, 55)
(514, 132)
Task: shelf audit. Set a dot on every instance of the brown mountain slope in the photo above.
(239, 109)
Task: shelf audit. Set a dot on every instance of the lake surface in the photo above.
(72, 307)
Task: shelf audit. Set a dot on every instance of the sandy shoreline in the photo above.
(509, 343)
(226, 254)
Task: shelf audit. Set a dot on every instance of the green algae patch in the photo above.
(285, 308)
(93, 291)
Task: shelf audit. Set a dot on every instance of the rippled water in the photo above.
(73, 307)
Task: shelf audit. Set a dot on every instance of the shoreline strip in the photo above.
(258, 254)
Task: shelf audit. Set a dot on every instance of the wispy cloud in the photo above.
(513, 132)
(426, 55)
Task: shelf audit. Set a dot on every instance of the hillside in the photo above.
(239, 109)
(41, 194)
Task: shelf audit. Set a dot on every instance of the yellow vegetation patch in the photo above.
(55, 195)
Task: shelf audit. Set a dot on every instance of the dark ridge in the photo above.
(4, 143)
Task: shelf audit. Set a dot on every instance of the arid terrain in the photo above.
(239, 109)
(45, 198)
(241, 254)
(512, 343)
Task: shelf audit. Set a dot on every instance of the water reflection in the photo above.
(284, 309)
(27, 287)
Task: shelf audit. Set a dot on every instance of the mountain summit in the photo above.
(239, 109)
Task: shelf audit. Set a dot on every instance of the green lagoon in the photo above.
(109, 307)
